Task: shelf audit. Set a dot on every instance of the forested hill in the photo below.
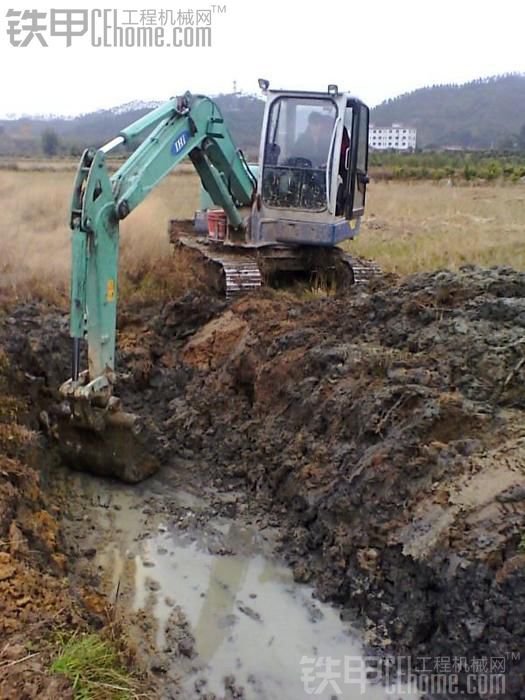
(485, 113)
(23, 136)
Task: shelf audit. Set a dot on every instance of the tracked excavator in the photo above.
(283, 217)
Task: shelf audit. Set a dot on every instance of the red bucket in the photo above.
(217, 224)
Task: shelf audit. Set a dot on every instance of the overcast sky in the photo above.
(374, 49)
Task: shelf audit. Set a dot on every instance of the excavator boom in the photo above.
(186, 126)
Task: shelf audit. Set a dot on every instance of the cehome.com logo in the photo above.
(112, 28)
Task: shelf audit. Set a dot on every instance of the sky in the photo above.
(375, 50)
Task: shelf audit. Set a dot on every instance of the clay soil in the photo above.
(383, 432)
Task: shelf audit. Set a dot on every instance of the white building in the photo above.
(397, 137)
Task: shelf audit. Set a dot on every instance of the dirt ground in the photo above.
(35, 600)
(382, 431)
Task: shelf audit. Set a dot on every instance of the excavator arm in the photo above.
(188, 126)
(185, 126)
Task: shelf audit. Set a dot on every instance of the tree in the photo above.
(50, 142)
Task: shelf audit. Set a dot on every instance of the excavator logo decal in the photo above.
(110, 290)
(179, 143)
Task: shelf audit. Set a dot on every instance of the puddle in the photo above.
(165, 549)
(248, 617)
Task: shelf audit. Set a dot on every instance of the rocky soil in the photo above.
(36, 600)
(383, 429)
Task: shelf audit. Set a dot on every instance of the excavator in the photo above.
(282, 217)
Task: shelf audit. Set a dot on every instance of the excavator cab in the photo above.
(313, 169)
(296, 153)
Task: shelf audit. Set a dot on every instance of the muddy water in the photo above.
(173, 555)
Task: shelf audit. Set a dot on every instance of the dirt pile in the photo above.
(384, 429)
(391, 427)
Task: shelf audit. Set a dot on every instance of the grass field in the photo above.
(35, 233)
(408, 227)
(411, 227)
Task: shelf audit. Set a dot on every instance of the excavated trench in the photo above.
(214, 611)
(374, 442)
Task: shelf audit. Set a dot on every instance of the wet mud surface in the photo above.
(379, 438)
(213, 610)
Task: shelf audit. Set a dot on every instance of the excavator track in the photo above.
(239, 271)
(363, 269)
(241, 274)
(230, 274)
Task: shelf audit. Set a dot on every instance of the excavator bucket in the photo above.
(104, 442)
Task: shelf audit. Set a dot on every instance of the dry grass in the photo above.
(69, 164)
(35, 260)
(411, 227)
(408, 227)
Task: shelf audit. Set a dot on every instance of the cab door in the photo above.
(357, 159)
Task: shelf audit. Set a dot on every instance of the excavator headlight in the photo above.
(333, 90)
(264, 84)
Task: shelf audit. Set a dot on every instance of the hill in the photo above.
(22, 136)
(484, 113)
(488, 113)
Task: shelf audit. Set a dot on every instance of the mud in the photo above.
(213, 612)
(382, 433)
(35, 597)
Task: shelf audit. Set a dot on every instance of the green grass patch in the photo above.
(94, 668)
